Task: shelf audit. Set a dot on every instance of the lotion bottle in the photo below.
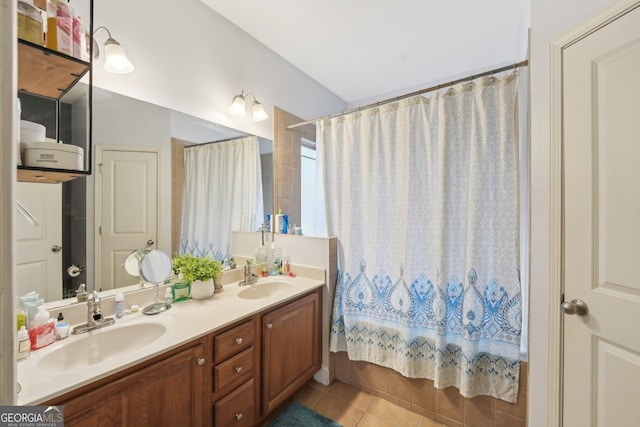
(119, 300)
(24, 344)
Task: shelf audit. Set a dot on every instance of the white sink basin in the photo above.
(99, 346)
(264, 290)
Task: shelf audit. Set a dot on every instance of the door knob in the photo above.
(56, 248)
(269, 325)
(150, 242)
(201, 361)
(575, 306)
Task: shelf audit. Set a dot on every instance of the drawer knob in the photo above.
(201, 361)
(238, 341)
(238, 369)
(269, 325)
(238, 416)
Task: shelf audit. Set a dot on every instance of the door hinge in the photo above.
(100, 230)
(562, 299)
(100, 167)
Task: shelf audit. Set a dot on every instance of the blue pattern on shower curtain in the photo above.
(419, 329)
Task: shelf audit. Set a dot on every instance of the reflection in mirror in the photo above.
(222, 192)
(132, 264)
(69, 209)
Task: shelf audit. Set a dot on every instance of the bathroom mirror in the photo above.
(117, 121)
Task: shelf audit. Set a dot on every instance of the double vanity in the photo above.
(232, 359)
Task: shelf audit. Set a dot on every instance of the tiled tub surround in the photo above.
(421, 397)
(185, 321)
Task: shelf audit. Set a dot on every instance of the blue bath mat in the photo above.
(297, 415)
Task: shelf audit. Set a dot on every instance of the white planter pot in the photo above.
(202, 289)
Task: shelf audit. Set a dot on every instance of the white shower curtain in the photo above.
(423, 196)
(222, 193)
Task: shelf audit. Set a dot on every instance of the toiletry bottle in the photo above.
(51, 37)
(275, 256)
(61, 327)
(24, 344)
(286, 268)
(42, 329)
(59, 26)
(21, 316)
(119, 299)
(168, 298)
(77, 33)
(278, 222)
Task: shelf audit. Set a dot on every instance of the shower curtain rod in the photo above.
(416, 93)
(198, 144)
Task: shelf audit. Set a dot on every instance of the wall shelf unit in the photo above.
(55, 90)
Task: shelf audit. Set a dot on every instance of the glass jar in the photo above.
(29, 22)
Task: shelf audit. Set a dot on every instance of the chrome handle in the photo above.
(238, 370)
(269, 325)
(238, 416)
(201, 361)
(150, 242)
(238, 341)
(575, 306)
(56, 248)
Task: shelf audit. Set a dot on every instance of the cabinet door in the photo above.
(291, 349)
(166, 393)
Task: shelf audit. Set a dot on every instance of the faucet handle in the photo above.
(96, 298)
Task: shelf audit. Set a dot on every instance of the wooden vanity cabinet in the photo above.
(291, 348)
(166, 391)
(233, 377)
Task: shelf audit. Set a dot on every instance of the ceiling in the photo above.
(366, 50)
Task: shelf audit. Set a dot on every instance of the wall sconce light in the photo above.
(116, 60)
(238, 107)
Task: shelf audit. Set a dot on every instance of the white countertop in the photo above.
(184, 322)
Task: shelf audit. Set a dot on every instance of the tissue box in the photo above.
(57, 156)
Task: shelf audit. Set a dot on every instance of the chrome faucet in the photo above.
(95, 319)
(250, 278)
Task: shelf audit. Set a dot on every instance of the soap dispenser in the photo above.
(81, 293)
(42, 329)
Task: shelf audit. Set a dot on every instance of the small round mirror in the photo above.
(131, 263)
(155, 266)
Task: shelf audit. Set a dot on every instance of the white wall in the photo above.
(549, 20)
(190, 59)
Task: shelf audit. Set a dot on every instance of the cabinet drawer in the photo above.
(236, 409)
(234, 371)
(233, 341)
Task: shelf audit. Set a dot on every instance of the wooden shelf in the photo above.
(47, 176)
(47, 73)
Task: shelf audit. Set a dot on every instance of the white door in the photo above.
(127, 191)
(601, 196)
(39, 247)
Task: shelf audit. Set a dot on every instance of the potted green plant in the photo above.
(199, 271)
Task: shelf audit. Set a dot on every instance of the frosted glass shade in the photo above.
(237, 107)
(116, 60)
(258, 112)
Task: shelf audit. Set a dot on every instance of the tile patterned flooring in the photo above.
(355, 408)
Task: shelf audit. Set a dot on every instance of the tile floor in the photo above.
(355, 408)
